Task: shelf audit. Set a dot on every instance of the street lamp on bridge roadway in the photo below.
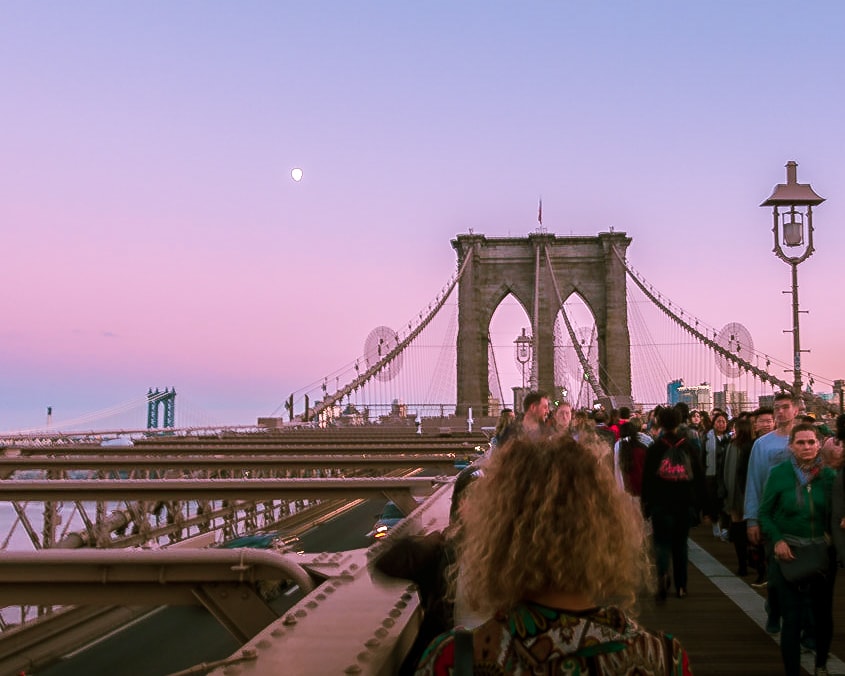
(792, 207)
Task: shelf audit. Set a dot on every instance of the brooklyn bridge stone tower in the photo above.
(542, 271)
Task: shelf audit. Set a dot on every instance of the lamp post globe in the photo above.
(523, 352)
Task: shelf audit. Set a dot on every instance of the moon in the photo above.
(296, 174)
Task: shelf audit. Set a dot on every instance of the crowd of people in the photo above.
(574, 515)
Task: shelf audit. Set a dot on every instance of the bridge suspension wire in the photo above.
(648, 365)
(711, 343)
(331, 399)
(493, 370)
(663, 353)
(444, 376)
(707, 336)
(589, 376)
(189, 414)
(88, 419)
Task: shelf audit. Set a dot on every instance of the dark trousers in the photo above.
(713, 508)
(817, 592)
(772, 585)
(670, 531)
(739, 536)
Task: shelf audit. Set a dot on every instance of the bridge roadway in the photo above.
(351, 624)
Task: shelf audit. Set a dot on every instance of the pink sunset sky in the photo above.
(152, 235)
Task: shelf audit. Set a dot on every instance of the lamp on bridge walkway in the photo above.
(523, 352)
(792, 205)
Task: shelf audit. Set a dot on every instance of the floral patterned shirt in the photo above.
(535, 639)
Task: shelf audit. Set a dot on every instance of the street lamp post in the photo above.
(792, 208)
(523, 352)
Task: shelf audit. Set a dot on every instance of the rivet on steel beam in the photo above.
(290, 620)
(395, 613)
(353, 566)
(372, 643)
(388, 622)
(352, 669)
(263, 643)
(407, 597)
(381, 632)
(401, 604)
(311, 605)
(301, 613)
(278, 631)
(320, 597)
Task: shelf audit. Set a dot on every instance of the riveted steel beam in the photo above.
(137, 462)
(323, 447)
(192, 489)
(372, 619)
(138, 577)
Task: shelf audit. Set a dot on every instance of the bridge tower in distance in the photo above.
(542, 271)
(154, 401)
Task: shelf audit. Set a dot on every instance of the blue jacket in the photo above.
(769, 450)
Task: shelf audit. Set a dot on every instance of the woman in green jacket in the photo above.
(796, 512)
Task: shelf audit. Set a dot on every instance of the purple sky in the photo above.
(152, 235)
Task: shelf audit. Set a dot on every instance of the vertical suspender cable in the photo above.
(535, 330)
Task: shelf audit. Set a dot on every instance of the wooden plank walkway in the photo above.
(721, 622)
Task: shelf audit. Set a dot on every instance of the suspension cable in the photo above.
(585, 363)
(331, 399)
(712, 344)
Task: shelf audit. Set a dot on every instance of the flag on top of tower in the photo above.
(540, 212)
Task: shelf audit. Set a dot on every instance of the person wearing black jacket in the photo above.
(673, 494)
(426, 559)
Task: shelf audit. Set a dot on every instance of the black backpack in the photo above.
(675, 465)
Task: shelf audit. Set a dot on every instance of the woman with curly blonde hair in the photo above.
(554, 551)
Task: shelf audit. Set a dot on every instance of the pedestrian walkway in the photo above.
(722, 621)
